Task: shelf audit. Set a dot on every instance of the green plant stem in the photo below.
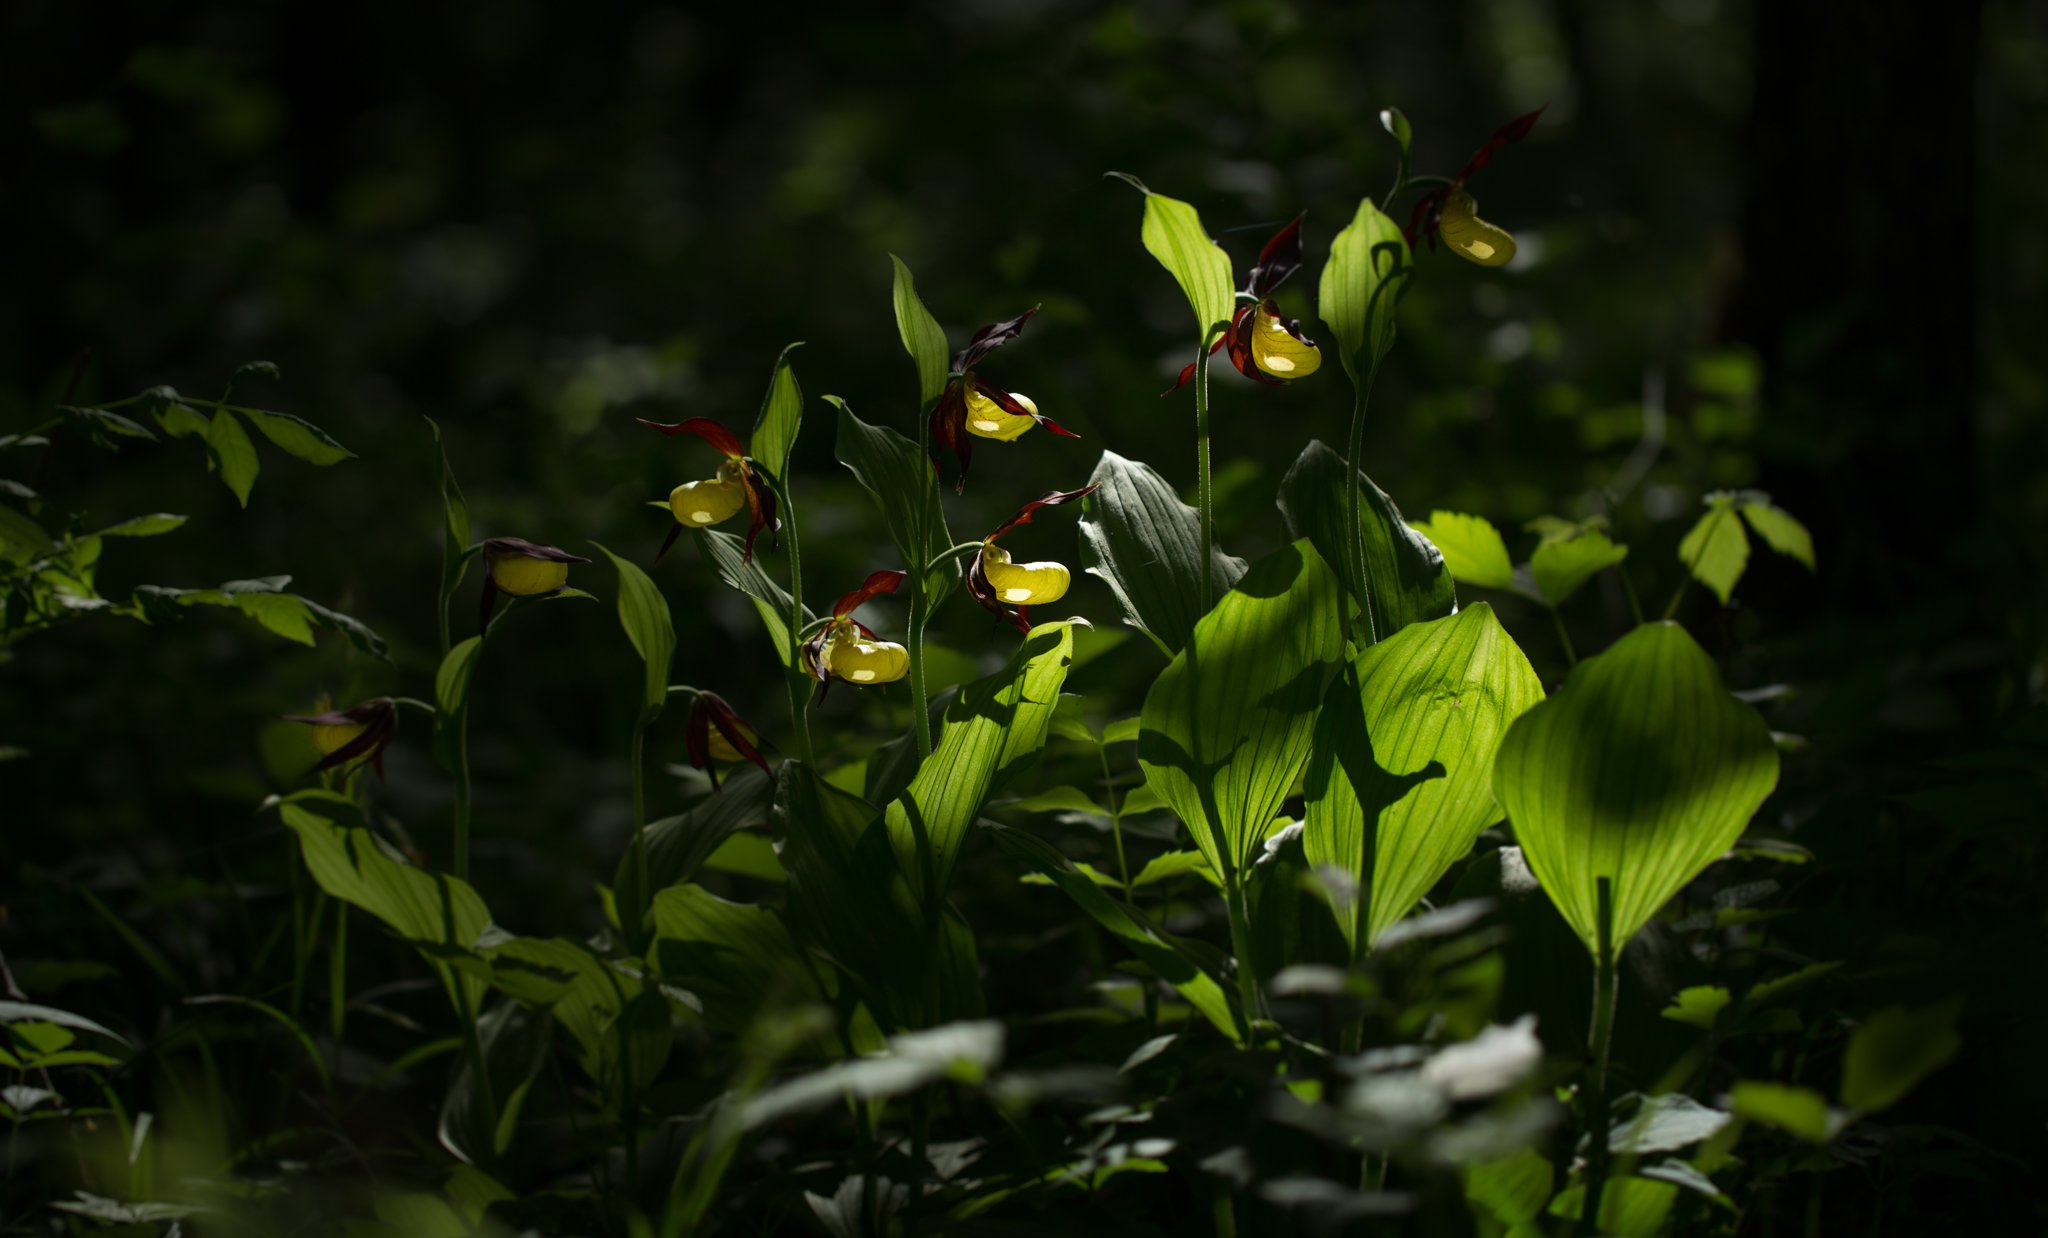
(473, 1049)
(1222, 1208)
(1354, 494)
(1605, 984)
(1116, 820)
(1205, 497)
(1241, 945)
(640, 823)
(337, 974)
(1564, 637)
(1635, 604)
(797, 684)
(921, 717)
(461, 832)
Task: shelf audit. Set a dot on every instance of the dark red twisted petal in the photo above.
(1513, 131)
(1240, 338)
(1280, 258)
(703, 427)
(760, 507)
(1188, 371)
(990, 338)
(876, 583)
(1051, 498)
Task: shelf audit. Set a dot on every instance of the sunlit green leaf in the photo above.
(644, 613)
(143, 526)
(1406, 580)
(1698, 1006)
(1776, 526)
(1514, 1188)
(1716, 550)
(1173, 234)
(296, 435)
(1666, 1123)
(1361, 286)
(923, 338)
(1146, 545)
(1630, 1205)
(1893, 1050)
(1642, 769)
(771, 601)
(1401, 780)
(1159, 952)
(233, 454)
(1226, 726)
(733, 957)
(678, 846)
(1472, 549)
(1561, 566)
(1799, 1111)
(782, 411)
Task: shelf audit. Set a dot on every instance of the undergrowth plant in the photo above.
(1286, 887)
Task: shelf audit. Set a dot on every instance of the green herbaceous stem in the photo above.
(799, 688)
(1241, 946)
(1354, 492)
(640, 895)
(1600, 1048)
(1204, 493)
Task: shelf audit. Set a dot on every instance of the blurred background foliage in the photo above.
(534, 226)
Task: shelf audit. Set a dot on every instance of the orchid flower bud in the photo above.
(358, 733)
(1023, 584)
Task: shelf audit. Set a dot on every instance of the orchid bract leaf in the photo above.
(782, 411)
(923, 338)
(1361, 286)
(644, 613)
(1406, 579)
(1146, 545)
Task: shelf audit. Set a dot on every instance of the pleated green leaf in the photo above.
(1173, 234)
(678, 846)
(1146, 545)
(644, 613)
(1166, 959)
(991, 730)
(1406, 580)
(1362, 283)
(441, 916)
(923, 338)
(1226, 727)
(733, 957)
(1400, 782)
(782, 413)
(771, 600)
(1642, 769)
(590, 997)
(904, 488)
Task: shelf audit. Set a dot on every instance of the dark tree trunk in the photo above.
(1858, 290)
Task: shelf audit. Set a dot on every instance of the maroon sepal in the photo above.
(948, 426)
(1279, 259)
(498, 547)
(1242, 324)
(977, 574)
(990, 338)
(711, 710)
(760, 506)
(379, 717)
(1513, 131)
(1051, 498)
(703, 427)
(1188, 371)
(675, 530)
(877, 582)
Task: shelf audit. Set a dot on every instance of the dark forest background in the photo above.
(1789, 246)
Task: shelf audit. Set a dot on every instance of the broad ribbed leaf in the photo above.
(771, 601)
(1147, 546)
(733, 957)
(678, 846)
(1642, 769)
(1362, 283)
(644, 613)
(1472, 549)
(1406, 580)
(992, 728)
(1561, 566)
(1226, 726)
(1167, 960)
(297, 436)
(590, 996)
(903, 487)
(1173, 234)
(435, 912)
(1716, 550)
(923, 338)
(1401, 780)
(782, 412)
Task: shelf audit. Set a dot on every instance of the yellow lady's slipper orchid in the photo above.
(1023, 584)
(988, 419)
(1279, 351)
(523, 569)
(1008, 590)
(741, 482)
(866, 662)
(720, 748)
(846, 649)
(1471, 237)
(714, 732)
(358, 733)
